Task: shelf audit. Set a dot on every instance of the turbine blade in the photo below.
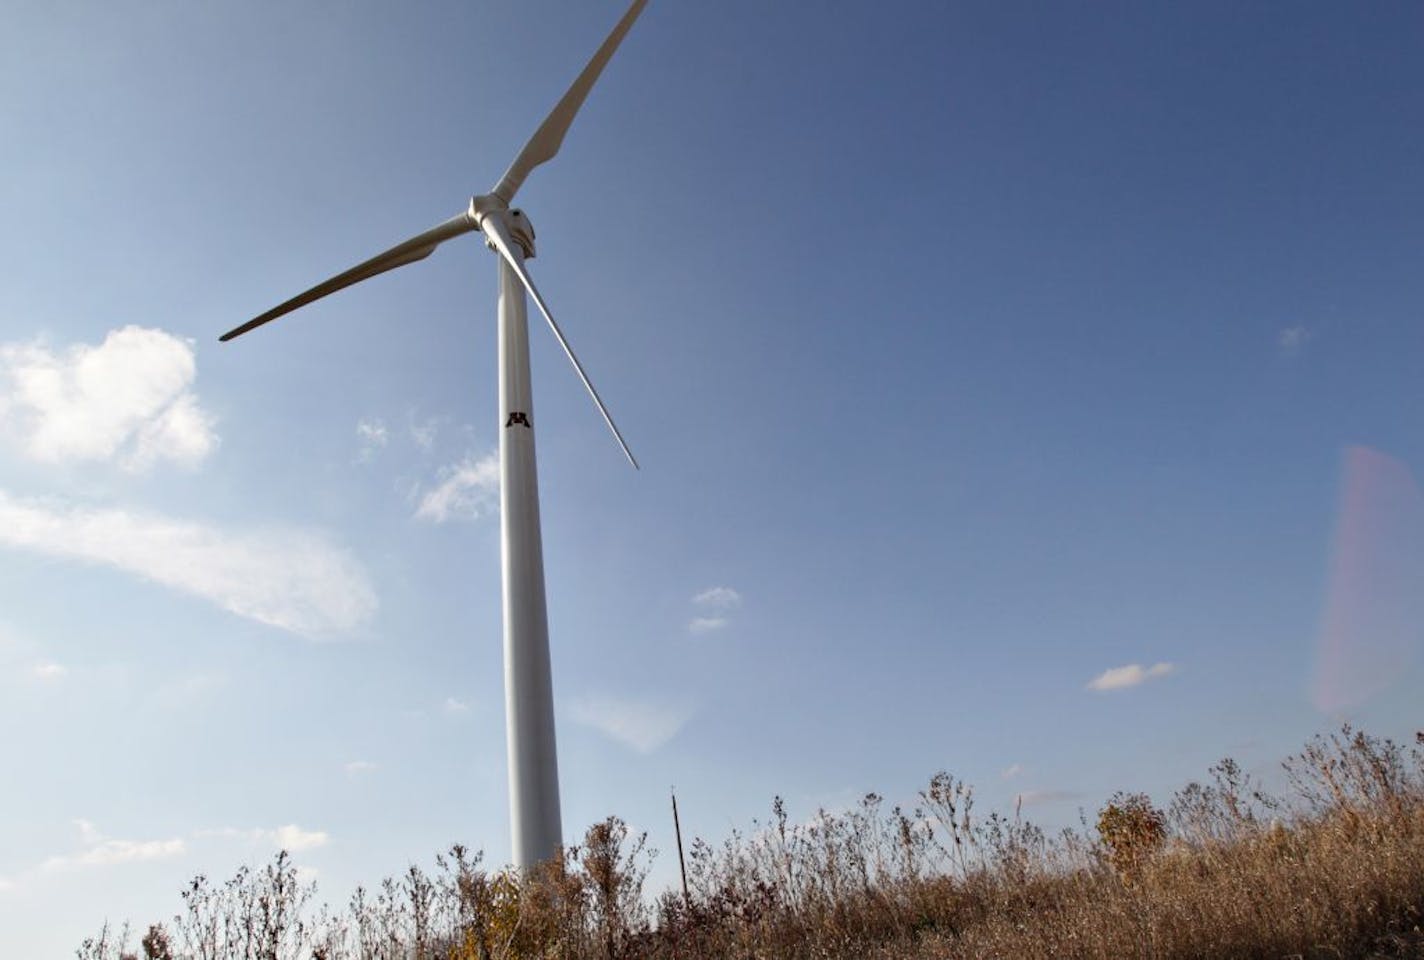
(550, 136)
(498, 235)
(416, 248)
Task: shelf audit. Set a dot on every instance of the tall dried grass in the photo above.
(1333, 869)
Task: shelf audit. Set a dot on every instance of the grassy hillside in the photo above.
(1333, 869)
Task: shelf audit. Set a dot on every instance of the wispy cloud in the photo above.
(187, 690)
(717, 603)
(110, 852)
(1039, 798)
(101, 851)
(21, 658)
(1119, 678)
(359, 768)
(1011, 771)
(127, 400)
(718, 598)
(467, 490)
(97, 850)
(290, 579)
(453, 707)
(1292, 340)
(289, 837)
(642, 725)
(372, 435)
(47, 671)
(423, 434)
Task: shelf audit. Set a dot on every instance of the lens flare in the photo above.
(1373, 621)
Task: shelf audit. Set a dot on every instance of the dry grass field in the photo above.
(1332, 869)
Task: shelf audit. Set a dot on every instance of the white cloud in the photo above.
(111, 852)
(454, 708)
(358, 768)
(1119, 678)
(1292, 339)
(103, 852)
(718, 602)
(293, 838)
(182, 433)
(48, 671)
(285, 578)
(373, 435)
(88, 832)
(23, 659)
(372, 432)
(1011, 771)
(642, 725)
(718, 598)
(1038, 798)
(127, 400)
(466, 491)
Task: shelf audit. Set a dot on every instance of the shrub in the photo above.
(1335, 870)
(1132, 830)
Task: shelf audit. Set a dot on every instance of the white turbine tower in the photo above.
(535, 828)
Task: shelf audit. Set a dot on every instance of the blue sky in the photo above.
(1026, 392)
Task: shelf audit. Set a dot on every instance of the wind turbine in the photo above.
(529, 701)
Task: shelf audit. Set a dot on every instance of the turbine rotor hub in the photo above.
(514, 220)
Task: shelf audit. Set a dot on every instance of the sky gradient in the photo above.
(1027, 392)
